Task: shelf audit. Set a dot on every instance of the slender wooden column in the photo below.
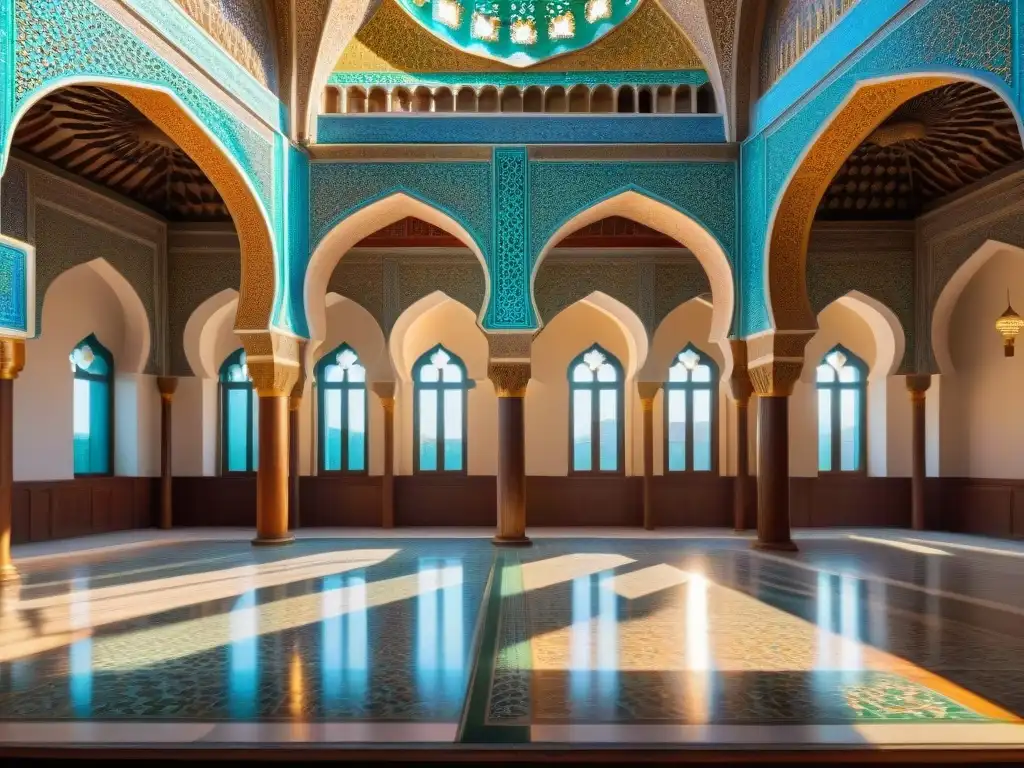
(167, 385)
(274, 363)
(294, 405)
(385, 390)
(648, 391)
(773, 377)
(739, 383)
(510, 380)
(918, 385)
(12, 361)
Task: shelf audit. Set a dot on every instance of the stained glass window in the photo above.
(341, 405)
(690, 406)
(93, 368)
(595, 412)
(842, 395)
(439, 412)
(239, 413)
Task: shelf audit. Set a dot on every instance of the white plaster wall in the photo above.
(571, 332)
(982, 411)
(453, 325)
(688, 323)
(78, 302)
(194, 426)
(136, 425)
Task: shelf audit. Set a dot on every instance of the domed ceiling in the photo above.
(98, 135)
(931, 147)
(519, 32)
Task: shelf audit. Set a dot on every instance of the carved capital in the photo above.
(509, 379)
(510, 346)
(295, 398)
(385, 390)
(775, 360)
(648, 390)
(167, 385)
(274, 361)
(12, 357)
(917, 386)
(739, 380)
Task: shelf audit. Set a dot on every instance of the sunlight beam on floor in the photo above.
(908, 547)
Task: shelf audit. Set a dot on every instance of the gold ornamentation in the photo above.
(509, 379)
(485, 27)
(1009, 326)
(392, 41)
(562, 27)
(787, 256)
(274, 362)
(523, 32)
(12, 357)
(256, 293)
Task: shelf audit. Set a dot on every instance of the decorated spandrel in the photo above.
(519, 32)
(17, 288)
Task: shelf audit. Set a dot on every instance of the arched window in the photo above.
(842, 396)
(341, 406)
(439, 413)
(690, 406)
(239, 416)
(595, 404)
(93, 417)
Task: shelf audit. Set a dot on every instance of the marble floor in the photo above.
(861, 640)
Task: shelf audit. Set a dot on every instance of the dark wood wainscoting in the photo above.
(977, 505)
(849, 501)
(700, 500)
(469, 500)
(44, 510)
(340, 500)
(583, 500)
(228, 501)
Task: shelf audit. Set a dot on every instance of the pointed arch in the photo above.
(252, 222)
(362, 222)
(206, 323)
(637, 205)
(868, 104)
(402, 358)
(133, 357)
(360, 330)
(890, 338)
(950, 295)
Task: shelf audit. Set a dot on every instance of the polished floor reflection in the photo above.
(860, 639)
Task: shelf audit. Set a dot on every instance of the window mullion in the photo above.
(343, 447)
(595, 429)
(836, 425)
(689, 452)
(441, 437)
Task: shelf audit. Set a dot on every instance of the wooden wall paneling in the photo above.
(580, 500)
(693, 500)
(463, 500)
(340, 500)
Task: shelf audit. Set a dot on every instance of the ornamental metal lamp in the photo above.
(1009, 325)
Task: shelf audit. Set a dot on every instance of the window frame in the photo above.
(688, 388)
(322, 387)
(835, 387)
(440, 386)
(252, 422)
(107, 379)
(619, 385)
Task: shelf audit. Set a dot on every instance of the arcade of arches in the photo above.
(655, 313)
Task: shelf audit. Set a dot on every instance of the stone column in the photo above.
(273, 361)
(776, 360)
(510, 380)
(12, 361)
(385, 390)
(294, 404)
(741, 389)
(167, 385)
(648, 390)
(918, 385)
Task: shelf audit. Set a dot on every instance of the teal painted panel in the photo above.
(13, 288)
(177, 26)
(297, 240)
(511, 306)
(614, 78)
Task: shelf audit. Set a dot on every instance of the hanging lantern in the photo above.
(1009, 325)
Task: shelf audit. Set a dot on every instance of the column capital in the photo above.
(740, 386)
(775, 360)
(167, 385)
(918, 384)
(510, 377)
(274, 360)
(648, 390)
(12, 357)
(295, 397)
(385, 390)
